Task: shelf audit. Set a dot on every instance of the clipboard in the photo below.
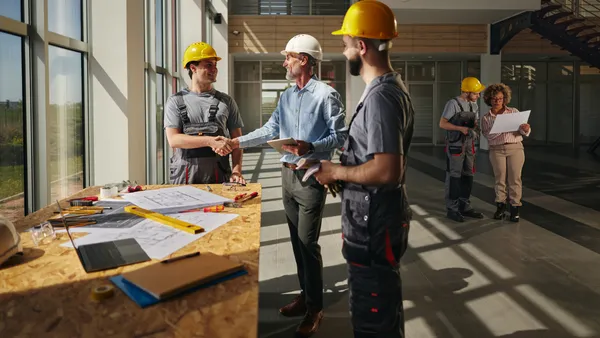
(277, 144)
(169, 278)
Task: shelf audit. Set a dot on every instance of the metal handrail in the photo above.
(588, 10)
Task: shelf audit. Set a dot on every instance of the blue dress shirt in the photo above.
(313, 114)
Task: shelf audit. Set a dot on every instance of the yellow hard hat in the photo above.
(369, 19)
(471, 85)
(199, 51)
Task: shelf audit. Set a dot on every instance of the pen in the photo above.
(170, 260)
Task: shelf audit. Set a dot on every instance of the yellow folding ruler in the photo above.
(166, 220)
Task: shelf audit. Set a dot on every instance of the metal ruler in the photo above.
(166, 220)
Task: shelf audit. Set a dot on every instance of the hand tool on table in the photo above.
(166, 220)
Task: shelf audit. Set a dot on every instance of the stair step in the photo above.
(547, 9)
(557, 16)
(590, 36)
(577, 30)
(570, 22)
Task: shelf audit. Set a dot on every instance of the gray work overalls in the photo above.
(460, 161)
(375, 230)
(200, 165)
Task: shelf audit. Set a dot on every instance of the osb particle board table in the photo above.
(46, 292)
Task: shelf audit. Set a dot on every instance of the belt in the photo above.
(291, 166)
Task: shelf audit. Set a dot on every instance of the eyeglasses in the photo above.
(497, 99)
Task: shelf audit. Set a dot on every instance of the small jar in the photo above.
(43, 233)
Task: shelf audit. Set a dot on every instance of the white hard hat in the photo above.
(10, 241)
(304, 43)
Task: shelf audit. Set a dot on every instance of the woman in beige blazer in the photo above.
(506, 151)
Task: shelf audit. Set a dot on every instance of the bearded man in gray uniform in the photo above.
(199, 121)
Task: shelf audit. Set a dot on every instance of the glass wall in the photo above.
(12, 123)
(431, 84)
(65, 18)
(12, 9)
(589, 103)
(545, 88)
(65, 119)
(288, 7)
(161, 80)
(49, 129)
(258, 85)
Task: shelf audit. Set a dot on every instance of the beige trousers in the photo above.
(507, 161)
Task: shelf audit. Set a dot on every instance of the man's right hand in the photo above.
(464, 130)
(221, 145)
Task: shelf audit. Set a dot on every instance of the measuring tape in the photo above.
(166, 220)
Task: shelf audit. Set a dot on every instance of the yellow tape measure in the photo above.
(166, 220)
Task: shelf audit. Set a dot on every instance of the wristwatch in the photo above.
(311, 148)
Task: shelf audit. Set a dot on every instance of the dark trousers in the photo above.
(460, 167)
(376, 301)
(303, 203)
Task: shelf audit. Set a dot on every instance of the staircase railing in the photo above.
(584, 22)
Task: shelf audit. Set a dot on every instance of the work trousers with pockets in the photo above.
(460, 167)
(304, 203)
(507, 161)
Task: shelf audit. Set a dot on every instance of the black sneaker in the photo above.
(514, 213)
(472, 214)
(455, 216)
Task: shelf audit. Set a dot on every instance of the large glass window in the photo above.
(65, 18)
(159, 33)
(160, 132)
(12, 124)
(12, 9)
(589, 101)
(65, 122)
(560, 103)
(334, 74)
(288, 7)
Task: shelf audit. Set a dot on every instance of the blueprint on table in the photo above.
(157, 240)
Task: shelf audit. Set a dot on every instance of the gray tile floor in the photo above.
(482, 278)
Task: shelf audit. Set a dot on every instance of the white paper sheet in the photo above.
(509, 122)
(170, 200)
(156, 239)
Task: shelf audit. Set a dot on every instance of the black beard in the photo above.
(355, 66)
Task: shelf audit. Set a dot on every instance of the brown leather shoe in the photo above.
(310, 324)
(294, 309)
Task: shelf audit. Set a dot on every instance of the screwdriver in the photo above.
(215, 208)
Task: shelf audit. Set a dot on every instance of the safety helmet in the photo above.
(10, 241)
(199, 51)
(369, 19)
(471, 85)
(304, 43)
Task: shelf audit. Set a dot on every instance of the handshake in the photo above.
(223, 146)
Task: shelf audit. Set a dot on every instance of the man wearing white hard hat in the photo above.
(311, 112)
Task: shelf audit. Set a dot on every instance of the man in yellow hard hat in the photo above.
(199, 121)
(460, 119)
(375, 210)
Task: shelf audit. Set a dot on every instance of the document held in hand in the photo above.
(509, 122)
(279, 143)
